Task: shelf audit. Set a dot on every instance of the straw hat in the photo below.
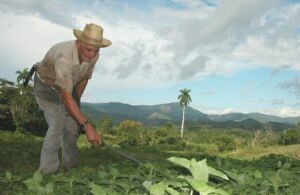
(92, 34)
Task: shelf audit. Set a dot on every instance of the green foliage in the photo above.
(6, 119)
(184, 97)
(200, 172)
(19, 110)
(225, 142)
(6, 83)
(129, 125)
(21, 75)
(35, 185)
(105, 125)
(26, 114)
(290, 136)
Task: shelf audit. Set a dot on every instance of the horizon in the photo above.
(191, 107)
(234, 56)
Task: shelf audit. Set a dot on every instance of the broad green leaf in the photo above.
(199, 170)
(279, 164)
(242, 179)
(122, 184)
(171, 191)
(203, 188)
(257, 174)
(96, 189)
(8, 175)
(232, 175)
(147, 185)
(180, 161)
(37, 176)
(217, 173)
(33, 185)
(286, 165)
(102, 174)
(275, 180)
(149, 165)
(114, 172)
(49, 188)
(158, 188)
(136, 176)
(180, 177)
(29, 183)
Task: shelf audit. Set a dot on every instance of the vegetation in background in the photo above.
(18, 108)
(290, 136)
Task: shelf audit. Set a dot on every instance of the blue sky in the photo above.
(234, 56)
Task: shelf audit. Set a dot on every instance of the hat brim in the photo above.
(98, 43)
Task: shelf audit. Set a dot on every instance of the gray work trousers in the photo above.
(62, 133)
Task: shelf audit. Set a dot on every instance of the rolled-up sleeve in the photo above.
(64, 78)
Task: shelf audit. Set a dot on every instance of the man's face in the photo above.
(86, 52)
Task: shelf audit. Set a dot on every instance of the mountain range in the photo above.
(172, 113)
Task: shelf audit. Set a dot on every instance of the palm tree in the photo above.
(184, 100)
(22, 74)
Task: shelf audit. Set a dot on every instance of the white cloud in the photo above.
(25, 40)
(216, 111)
(282, 53)
(283, 112)
(52, 10)
(213, 40)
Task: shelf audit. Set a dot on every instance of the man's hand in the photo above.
(73, 109)
(92, 135)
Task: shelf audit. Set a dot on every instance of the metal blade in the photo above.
(133, 159)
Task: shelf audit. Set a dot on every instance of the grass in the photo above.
(292, 151)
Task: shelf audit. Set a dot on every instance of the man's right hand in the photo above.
(92, 135)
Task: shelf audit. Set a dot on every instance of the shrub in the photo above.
(225, 143)
(290, 136)
(105, 125)
(128, 125)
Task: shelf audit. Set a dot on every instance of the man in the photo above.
(59, 83)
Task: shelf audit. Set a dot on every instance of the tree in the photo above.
(22, 74)
(290, 136)
(20, 112)
(105, 125)
(184, 100)
(129, 125)
(6, 83)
